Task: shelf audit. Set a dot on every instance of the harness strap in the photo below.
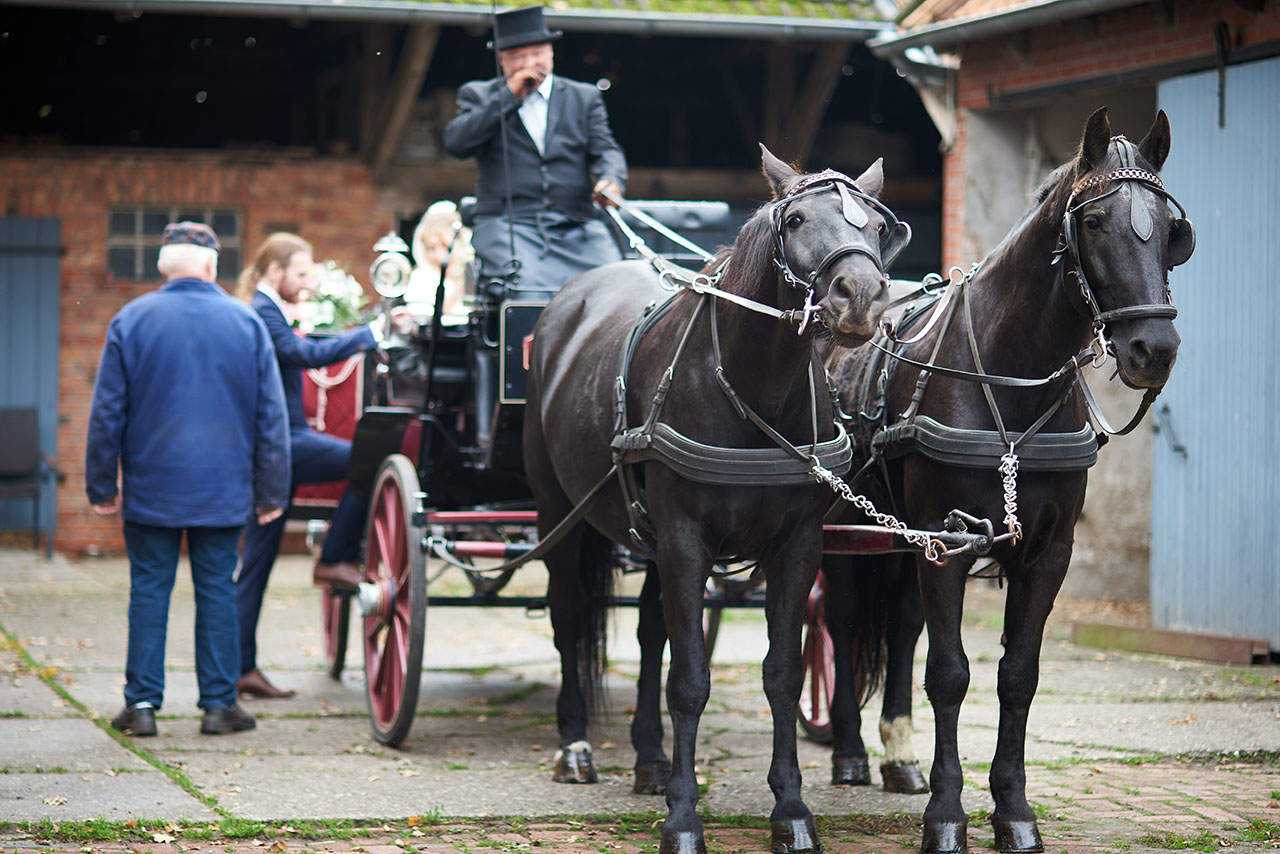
(553, 537)
(1148, 397)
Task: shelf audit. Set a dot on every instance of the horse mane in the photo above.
(751, 257)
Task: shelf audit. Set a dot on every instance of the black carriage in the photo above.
(437, 457)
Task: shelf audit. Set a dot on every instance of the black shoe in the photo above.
(135, 721)
(225, 719)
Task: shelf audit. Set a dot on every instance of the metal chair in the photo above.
(25, 471)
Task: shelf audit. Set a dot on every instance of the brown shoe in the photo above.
(343, 574)
(255, 684)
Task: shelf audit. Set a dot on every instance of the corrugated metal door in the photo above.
(1214, 564)
(29, 287)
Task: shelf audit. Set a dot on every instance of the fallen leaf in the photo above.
(162, 837)
(56, 801)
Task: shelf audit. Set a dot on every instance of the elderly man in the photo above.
(559, 153)
(188, 404)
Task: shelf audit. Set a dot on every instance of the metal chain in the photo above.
(928, 544)
(1009, 473)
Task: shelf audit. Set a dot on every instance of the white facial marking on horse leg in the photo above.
(895, 734)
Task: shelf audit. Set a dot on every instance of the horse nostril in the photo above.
(1140, 351)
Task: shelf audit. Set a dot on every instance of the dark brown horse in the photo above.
(1088, 263)
(713, 364)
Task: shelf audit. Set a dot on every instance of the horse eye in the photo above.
(795, 221)
(880, 228)
(1092, 222)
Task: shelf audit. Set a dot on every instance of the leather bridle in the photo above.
(1128, 174)
(891, 240)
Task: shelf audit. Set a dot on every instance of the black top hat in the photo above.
(520, 27)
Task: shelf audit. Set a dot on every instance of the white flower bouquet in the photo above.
(336, 302)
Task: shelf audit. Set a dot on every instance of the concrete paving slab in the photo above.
(83, 797)
(71, 744)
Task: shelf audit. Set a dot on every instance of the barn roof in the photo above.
(855, 20)
(943, 24)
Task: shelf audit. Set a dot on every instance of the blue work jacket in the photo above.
(295, 352)
(188, 402)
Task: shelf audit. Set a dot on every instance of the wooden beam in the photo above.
(819, 86)
(1228, 650)
(779, 90)
(375, 60)
(419, 46)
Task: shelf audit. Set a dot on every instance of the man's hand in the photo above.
(267, 514)
(109, 507)
(605, 186)
(402, 320)
(523, 81)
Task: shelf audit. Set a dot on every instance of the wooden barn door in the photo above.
(1215, 567)
(29, 287)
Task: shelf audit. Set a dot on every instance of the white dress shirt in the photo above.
(533, 112)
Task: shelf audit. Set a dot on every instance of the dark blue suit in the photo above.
(188, 406)
(317, 458)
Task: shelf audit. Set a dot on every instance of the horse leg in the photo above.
(653, 768)
(849, 765)
(790, 575)
(946, 681)
(904, 621)
(1030, 599)
(684, 567)
(573, 607)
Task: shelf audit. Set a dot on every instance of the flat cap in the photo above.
(196, 233)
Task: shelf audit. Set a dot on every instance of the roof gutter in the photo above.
(947, 34)
(458, 14)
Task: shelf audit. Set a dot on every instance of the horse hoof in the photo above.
(1017, 836)
(795, 836)
(850, 771)
(682, 842)
(651, 778)
(904, 778)
(945, 837)
(574, 765)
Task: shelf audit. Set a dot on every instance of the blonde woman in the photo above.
(440, 238)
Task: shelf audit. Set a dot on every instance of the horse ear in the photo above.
(872, 181)
(1155, 145)
(1097, 136)
(778, 173)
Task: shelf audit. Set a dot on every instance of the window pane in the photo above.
(190, 216)
(225, 225)
(121, 262)
(150, 254)
(122, 222)
(153, 222)
(228, 265)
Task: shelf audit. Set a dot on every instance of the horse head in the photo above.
(833, 241)
(1123, 239)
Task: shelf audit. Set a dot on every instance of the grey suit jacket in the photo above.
(578, 145)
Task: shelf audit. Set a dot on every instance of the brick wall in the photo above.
(1123, 42)
(330, 202)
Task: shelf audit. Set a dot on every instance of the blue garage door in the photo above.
(1215, 567)
(29, 287)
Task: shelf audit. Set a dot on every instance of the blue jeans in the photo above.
(153, 567)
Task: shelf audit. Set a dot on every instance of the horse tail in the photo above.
(871, 589)
(595, 572)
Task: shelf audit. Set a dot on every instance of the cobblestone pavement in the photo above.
(1126, 753)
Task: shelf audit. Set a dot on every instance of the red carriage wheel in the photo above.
(819, 671)
(395, 627)
(335, 610)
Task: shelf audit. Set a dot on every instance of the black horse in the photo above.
(698, 374)
(1089, 263)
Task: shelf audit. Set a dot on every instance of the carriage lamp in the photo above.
(390, 270)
